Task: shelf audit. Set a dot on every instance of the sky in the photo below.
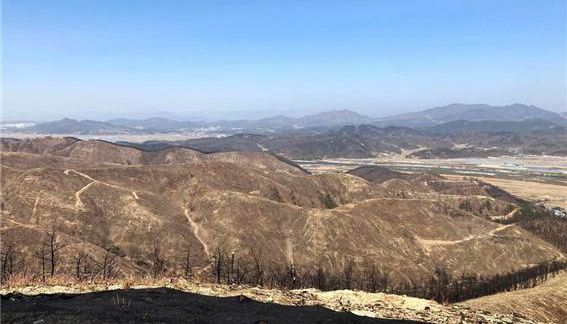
(242, 59)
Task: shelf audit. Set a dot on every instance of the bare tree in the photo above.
(81, 260)
(218, 263)
(108, 264)
(53, 248)
(41, 254)
(158, 262)
(320, 278)
(259, 270)
(230, 272)
(439, 285)
(240, 271)
(8, 259)
(385, 281)
(371, 277)
(289, 278)
(188, 267)
(348, 274)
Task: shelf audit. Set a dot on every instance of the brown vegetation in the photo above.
(546, 302)
(252, 218)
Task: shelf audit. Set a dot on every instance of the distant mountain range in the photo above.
(456, 115)
(72, 126)
(474, 113)
(368, 141)
(321, 120)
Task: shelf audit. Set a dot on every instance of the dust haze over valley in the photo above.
(298, 162)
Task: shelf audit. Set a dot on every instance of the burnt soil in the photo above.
(163, 305)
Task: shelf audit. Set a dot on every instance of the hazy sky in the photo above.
(134, 58)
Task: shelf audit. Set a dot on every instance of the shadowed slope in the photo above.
(166, 306)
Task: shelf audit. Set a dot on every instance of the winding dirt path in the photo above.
(507, 216)
(34, 210)
(289, 250)
(431, 243)
(196, 228)
(79, 203)
(66, 172)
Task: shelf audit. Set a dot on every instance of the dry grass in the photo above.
(547, 302)
(71, 284)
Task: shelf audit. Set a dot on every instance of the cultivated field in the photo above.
(535, 178)
(551, 194)
(552, 168)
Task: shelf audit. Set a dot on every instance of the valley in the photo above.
(430, 212)
(550, 194)
(542, 169)
(535, 178)
(114, 196)
(256, 218)
(260, 162)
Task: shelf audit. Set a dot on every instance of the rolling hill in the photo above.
(104, 197)
(367, 141)
(72, 126)
(68, 151)
(545, 303)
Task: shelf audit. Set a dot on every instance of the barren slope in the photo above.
(103, 195)
(286, 217)
(62, 152)
(546, 303)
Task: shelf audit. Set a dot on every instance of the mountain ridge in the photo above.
(241, 201)
(325, 119)
(469, 112)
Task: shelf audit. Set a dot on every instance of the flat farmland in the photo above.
(551, 195)
(536, 178)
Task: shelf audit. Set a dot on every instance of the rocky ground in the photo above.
(189, 302)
